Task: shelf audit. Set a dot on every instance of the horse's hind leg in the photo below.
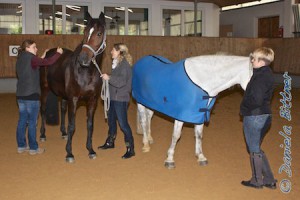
(198, 146)
(44, 94)
(91, 107)
(149, 114)
(63, 111)
(139, 129)
(144, 120)
(169, 162)
(72, 105)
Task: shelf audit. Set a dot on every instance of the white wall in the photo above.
(245, 20)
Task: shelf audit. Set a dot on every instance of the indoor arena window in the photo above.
(116, 24)
(10, 18)
(171, 22)
(69, 19)
(189, 25)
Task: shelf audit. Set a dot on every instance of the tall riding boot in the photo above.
(109, 143)
(269, 180)
(129, 151)
(257, 167)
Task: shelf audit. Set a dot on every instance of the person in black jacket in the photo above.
(28, 94)
(256, 111)
(119, 90)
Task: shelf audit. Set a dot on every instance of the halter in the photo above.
(100, 49)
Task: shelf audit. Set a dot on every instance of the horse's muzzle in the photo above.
(84, 59)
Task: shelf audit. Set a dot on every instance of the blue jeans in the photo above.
(28, 115)
(255, 129)
(118, 111)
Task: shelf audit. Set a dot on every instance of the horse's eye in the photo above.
(99, 34)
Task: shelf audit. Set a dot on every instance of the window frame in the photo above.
(182, 23)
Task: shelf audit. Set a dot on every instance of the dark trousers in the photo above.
(118, 112)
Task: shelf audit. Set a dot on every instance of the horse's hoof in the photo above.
(65, 137)
(145, 149)
(203, 163)
(70, 160)
(92, 156)
(170, 165)
(43, 139)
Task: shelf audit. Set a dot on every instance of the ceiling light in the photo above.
(81, 25)
(60, 13)
(76, 8)
(107, 17)
(123, 9)
(243, 5)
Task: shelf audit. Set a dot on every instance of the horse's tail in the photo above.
(52, 111)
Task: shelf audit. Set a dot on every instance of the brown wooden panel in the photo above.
(173, 48)
(287, 57)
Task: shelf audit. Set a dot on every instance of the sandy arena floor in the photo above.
(144, 177)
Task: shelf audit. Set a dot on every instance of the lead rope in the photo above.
(104, 91)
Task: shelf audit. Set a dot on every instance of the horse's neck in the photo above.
(217, 73)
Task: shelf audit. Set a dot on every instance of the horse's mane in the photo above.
(76, 52)
(78, 48)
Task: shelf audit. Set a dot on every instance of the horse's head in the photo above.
(215, 73)
(94, 39)
(246, 74)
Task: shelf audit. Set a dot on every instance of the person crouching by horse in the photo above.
(119, 89)
(28, 94)
(256, 111)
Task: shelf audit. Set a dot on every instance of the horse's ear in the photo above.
(102, 18)
(88, 17)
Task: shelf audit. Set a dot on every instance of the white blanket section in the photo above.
(211, 71)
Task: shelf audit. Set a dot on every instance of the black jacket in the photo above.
(259, 92)
(28, 78)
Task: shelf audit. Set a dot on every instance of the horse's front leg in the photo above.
(198, 146)
(72, 105)
(169, 162)
(144, 122)
(44, 94)
(63, 110)
(91, 107)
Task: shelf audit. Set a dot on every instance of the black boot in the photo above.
(257, 176)
(269, 180)
(109, 143)
(129, 152)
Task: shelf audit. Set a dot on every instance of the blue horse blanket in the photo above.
(164, 86)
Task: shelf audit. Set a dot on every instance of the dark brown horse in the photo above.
(75, 76)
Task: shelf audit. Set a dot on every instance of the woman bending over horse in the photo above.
(119, 89)
(28, 94)
(256, 112)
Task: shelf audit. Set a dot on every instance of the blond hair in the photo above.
(263, 53)
(124, 52)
